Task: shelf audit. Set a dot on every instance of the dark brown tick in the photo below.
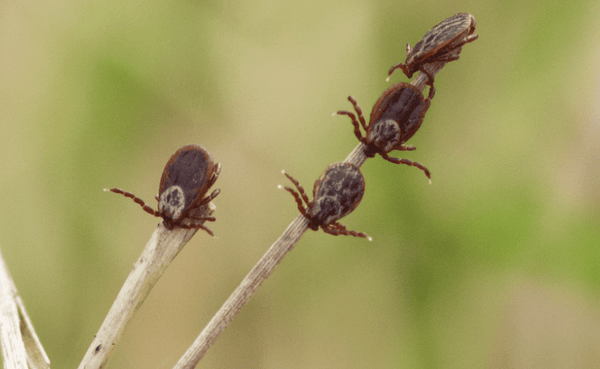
(186, 179)
(395, 118)
(441, 43)
(336, 194)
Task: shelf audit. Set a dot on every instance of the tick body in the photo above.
(395, 118)
(186, 179)
(336, 194)
(441, 43)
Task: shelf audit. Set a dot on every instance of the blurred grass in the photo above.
(493, 265)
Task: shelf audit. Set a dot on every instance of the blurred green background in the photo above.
(496, 264)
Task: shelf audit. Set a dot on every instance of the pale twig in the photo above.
(162, 248)
(21, 348)
(263, 269)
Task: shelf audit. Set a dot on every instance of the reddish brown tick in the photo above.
(336, 194)
(441, 43)
(395, 118)
(186, 179)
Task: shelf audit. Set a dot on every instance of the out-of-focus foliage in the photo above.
(496, 264)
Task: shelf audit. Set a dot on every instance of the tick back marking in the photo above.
(443, 43)
(395, 118)
(186, 179)
(336, 194)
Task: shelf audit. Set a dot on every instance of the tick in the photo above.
(441, 43)
(186, 179)
(336, 194)
(395, 118)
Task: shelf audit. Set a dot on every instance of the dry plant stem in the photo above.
(261, 271)
(162, 248)
(21, 348)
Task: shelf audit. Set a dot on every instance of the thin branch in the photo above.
(163, 247)
(20, 345)
(261, 271)
(264, 267)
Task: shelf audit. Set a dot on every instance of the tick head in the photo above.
(171, 204)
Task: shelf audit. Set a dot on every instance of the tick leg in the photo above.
(449, 56)
(196, 226)
(358, 112)
(209, 198)
(214, 176)
(193, 218)
(201, 218)
(137, 200)
(407, 162)
(298, 200)
(402, 66)
(471, 38)
(215, 193)
(354, 122)
(337, 229)
(431, 92)
(429, 81)
(300, 189)
(405, 148)
(466, 40)
(399, 66)
(392, 69)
